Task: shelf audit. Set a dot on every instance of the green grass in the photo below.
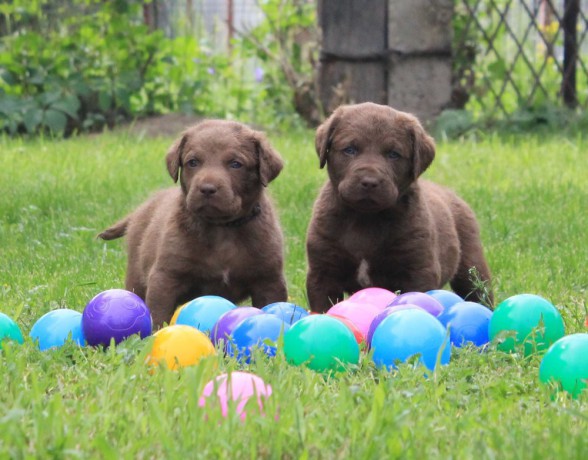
(530, 194)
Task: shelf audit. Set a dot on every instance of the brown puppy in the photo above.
(375, 223)
(217, 233)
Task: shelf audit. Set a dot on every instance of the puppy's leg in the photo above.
(163, 292)
(472, 257)
(323, 291)
(269, 291)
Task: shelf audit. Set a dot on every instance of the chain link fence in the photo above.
(519, 54)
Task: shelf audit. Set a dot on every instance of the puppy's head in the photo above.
(373, 154)
(222, 167)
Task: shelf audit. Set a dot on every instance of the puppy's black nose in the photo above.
(208, 189)
(369, 183)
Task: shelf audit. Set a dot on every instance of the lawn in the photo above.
(529, 192)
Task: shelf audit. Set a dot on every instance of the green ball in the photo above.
(528, 320)
(322, 343)
(566, 362)
(9, 330)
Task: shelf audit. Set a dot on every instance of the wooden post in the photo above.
(419, 41)
(569, 24)
(353, 61)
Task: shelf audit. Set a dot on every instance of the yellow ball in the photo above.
(179, 346)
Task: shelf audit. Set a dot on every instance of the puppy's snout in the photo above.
(369, 182)
(208, 189)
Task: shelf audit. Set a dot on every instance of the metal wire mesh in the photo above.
(513, 54)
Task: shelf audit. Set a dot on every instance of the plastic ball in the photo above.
(53, 329)
(360, 314)
(373, 295)
(261, 331)
(321, 342)
(9, 330)
(174, 317)
(468, 322)
(426, 302)
(445, 298)
(179, 346)
(384, 314)
(566, 363)
(528, 320)
(236, 388)
(203, 312)
(409, 333)
(222, 331)
(286, 311)
(359, 337)
(115, 314)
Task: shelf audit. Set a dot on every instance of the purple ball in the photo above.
(420, 299)
(228, 321)
(115, 314)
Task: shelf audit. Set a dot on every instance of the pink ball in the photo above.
(239, 387)
(360, 314)
(374, 295)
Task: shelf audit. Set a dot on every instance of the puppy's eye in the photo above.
(192, 163)
(350, 150)
(393, 155)
(235, 164)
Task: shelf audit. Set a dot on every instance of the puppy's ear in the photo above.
(174, 156)
(324, 137)
(270, 161)
(423, 148)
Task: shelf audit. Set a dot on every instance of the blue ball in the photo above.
(53, 329)
(445, 298)
(287, 312)
(406, 333)
(468, 322)
(203, 312)
(256, 331)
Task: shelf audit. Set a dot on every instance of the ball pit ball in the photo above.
(425, 301)
(445, 298)
(115, 314)
(359, 337)
(373, 295)
(174, 318)
(525, 320)
(55, 328)
(203, 312)
(261, 331)
(384, 314)
(286, 311)
(321, 342)
(222, 331)
(179, 346)
(566, 363)
(408, 333)
(237, 389)
(468, 322)
(360, 314)
(9, 330)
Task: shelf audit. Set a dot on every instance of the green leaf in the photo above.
(32, 118)
(54, 120)
(104, 100)
(69, 105)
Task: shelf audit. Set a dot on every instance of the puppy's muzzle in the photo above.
(208, 189)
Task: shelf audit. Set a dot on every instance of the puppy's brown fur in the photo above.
(375, 223)
(217, 233)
